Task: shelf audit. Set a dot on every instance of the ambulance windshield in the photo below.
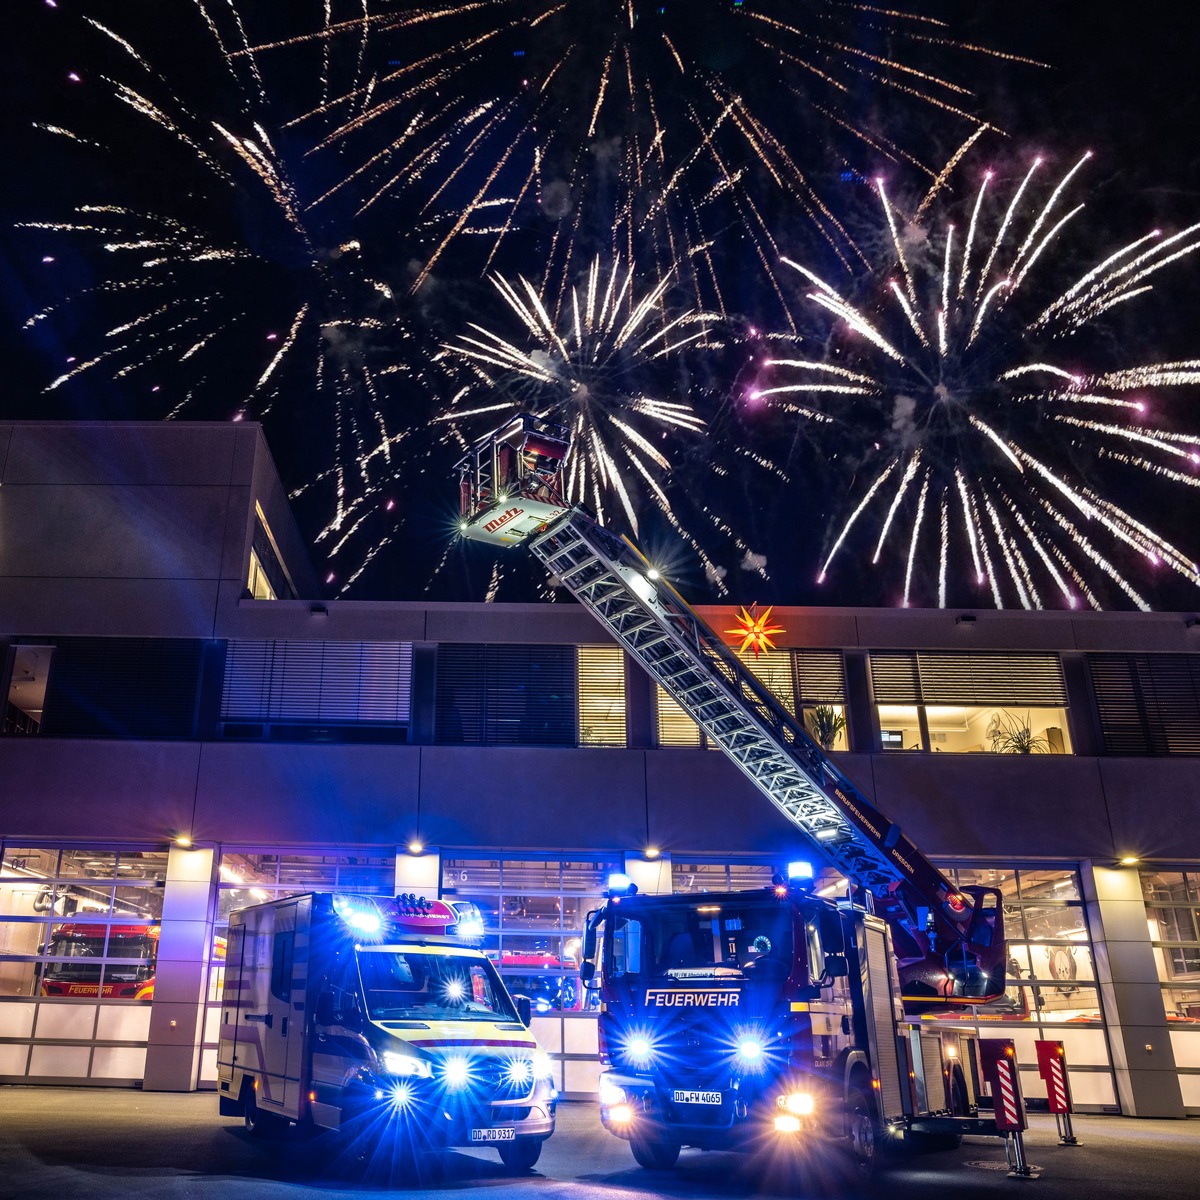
(703, 939)
(408, 985)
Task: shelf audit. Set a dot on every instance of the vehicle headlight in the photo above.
(542, 1065)
(456, 1073)
(397, 1063)
(611, 1094)
(801, 1104)
(520, 1070)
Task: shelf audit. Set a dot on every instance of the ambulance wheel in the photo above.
(520, 1155)
(864, 1138)
(655, 1155)
(258, 1123)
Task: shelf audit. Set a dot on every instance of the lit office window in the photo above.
(601, 673)
(971, 703)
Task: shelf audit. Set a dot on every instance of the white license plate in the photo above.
(685, 1097)
(493, 1135)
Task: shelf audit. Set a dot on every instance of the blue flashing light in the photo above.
(800, 870)
(618, 881)
(750, 1051)
(360, 915)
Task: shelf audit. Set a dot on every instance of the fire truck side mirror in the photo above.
(326, 1012)
(836, 967)
(830, 925)
(587, 971)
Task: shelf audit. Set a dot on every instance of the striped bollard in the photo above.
(1052, 1066)
(999, 1057)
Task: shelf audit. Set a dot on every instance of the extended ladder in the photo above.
(953, 939)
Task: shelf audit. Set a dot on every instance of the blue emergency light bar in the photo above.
(799, 870)
(361, 915)
(619, 884)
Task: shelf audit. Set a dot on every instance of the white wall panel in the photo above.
(64, 1062)
(119, 1062)
(123, 1023)
(16, 1020)
(69, 1020)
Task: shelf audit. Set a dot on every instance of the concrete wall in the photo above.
(131, 529)
(682, 801)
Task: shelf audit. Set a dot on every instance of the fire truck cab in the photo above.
(746, 1020)
(382, 1019)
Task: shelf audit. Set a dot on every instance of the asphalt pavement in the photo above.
(85, 1143)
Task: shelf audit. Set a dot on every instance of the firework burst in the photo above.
(585, 372)
(987, 445)
(223, 295)
(636, 129)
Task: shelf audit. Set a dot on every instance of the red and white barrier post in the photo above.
(999, 1059)
(1052, 1066)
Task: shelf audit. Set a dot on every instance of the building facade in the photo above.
(190, 728)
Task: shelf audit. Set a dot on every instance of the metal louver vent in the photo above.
(1148, 703)
(337, 682)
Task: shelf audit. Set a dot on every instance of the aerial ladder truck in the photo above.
(730, 1017)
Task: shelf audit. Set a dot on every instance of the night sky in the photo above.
(1119, 81)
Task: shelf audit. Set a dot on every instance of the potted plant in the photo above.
(1008, 734)
(825, 723)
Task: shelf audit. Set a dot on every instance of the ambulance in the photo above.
(383, 1019)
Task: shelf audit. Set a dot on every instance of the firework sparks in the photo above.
(227, 287)
(651, 127)
(584, 372)
(985, 440)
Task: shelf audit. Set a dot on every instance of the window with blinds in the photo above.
(317, 683)
(1148, 703)
(1000, 703)
(798, 679)
(675, 727)
(947, 678)
(601, 674)
(122, 687)
(506, 695)
(773, 668)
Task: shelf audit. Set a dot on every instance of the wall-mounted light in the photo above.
(318, 610)
(416, 846)
(1129, 860)
(183, 841)
(965, 619)
(652, 851)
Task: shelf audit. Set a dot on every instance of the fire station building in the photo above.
(189, 728)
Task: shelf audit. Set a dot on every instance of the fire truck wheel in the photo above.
(655, 1155)
(520, 1156)
(864, 1138)
(258, 1123)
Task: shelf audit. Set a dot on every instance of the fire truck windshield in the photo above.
(721, 937)
(408, 985)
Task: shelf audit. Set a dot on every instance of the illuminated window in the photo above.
(259, 585)
(29, 669)
(79, 924)
(675, 727)
(534, 911)
(971, 703)
(268, 578)
(601, 671)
